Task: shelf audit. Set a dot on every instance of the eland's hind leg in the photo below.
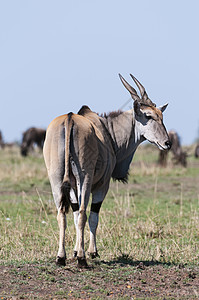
(56, 186)
(83, 199)
(56, 158)
(61, 255)
(75, 208)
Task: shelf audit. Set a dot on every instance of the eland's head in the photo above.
(149, 118)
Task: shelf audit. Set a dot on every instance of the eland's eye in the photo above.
(148, 117)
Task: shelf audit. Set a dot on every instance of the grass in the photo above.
(154, 217)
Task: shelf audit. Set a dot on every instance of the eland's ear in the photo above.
(163, 107)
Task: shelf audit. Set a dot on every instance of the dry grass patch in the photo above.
(153, 218)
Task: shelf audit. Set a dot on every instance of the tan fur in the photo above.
(155, 112)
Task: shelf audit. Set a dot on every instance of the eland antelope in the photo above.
(83, 151)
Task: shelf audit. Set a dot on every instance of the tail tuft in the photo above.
(65, 199)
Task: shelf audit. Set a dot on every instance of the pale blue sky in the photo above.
(56, 56)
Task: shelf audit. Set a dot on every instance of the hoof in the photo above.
(75, 254)
(61, 261)
(82, 262)
(94, 255)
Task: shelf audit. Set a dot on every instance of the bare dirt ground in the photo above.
(117, 279)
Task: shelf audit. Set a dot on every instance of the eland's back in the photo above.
(76, 144)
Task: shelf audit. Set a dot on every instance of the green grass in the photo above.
(153, 217)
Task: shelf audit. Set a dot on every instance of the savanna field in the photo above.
(148, 233)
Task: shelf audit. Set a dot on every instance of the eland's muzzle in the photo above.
(168, 144)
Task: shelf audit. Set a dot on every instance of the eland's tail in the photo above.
(66, 185)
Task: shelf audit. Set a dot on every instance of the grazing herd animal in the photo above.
(30, 137)
(4, 144)
(179, 156)
(1, 141)
(83, 151)
(197, 151)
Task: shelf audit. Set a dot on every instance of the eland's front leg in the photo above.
(93, 223)
(97, 199)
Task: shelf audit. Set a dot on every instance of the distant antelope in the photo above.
(2, 144)
(197, 151)
(179, 156)
(30, 137)
(83, 151)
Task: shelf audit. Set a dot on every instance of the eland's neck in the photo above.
(125, 135)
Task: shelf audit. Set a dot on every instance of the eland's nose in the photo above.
(168, 144)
